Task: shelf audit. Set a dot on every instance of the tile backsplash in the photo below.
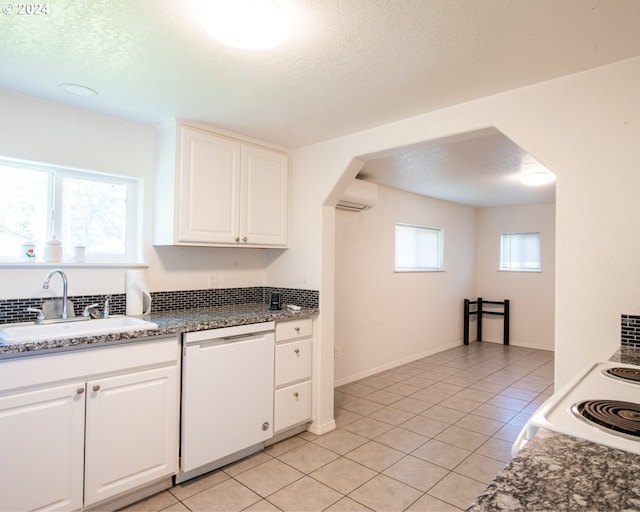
(14, 310)
(630, 330)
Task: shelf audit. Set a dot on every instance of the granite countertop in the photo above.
(170, 322)
(559, 472)
(628, 355)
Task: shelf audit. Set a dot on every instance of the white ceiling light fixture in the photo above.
(78, 90)
(533, 173)
(539, 177)
(247, 24)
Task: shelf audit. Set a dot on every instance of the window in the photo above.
(39, 202)
(520, 252)
(418, 248)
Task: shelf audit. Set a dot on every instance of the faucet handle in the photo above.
(41, 316)
(86, 312)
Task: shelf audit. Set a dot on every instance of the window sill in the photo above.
(69, 264)
(419, 270)
(532, 271)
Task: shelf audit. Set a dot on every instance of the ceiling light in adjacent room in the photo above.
(534, 173)
(78, 90)
(248, 24)
(538, 177)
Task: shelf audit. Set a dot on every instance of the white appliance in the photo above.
(227, 396)
(359, 196)
(604, 396)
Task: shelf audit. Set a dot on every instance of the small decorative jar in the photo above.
(79, 253)
(28, 251)
(53, 250)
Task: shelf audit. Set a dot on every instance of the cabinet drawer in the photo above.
(293, 329)
(292, 405)
(293, 362)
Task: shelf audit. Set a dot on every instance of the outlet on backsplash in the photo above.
(212, 281)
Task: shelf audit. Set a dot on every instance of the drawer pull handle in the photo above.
(297, 351)
(80, 391)
(244, 238)
(296, 394)
(237, 239)
(297, 329)
(96, 387)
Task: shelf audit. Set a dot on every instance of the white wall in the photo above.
(384, 318)
(39, 130)
(585, 127)
(531, 294)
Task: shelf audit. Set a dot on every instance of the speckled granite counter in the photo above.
(628, 355)
(171, 322)
(558, 472)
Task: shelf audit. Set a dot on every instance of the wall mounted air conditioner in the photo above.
(359, 196)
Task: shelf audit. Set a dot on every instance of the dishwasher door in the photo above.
(227, 393)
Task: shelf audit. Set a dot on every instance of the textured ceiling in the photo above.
(348, 65)
(480, 170)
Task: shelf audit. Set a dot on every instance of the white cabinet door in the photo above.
(264, 197)
(292, 406)
(42, 448)
(132, 431)
(293, 362)
(208, 187)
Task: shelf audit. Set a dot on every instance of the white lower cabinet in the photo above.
(42, 448)
(292, 405)
(130, 432)
(84, 427)
(292, 393)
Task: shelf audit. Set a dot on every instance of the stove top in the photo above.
(585, 407)
(625, 373)
(622, 418)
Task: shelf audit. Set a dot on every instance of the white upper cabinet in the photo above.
(216, 190)
(208, 187)
(263, 198)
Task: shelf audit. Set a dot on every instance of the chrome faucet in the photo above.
(45, 285)
(105, 312)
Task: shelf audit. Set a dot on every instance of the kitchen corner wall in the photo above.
(44, 131)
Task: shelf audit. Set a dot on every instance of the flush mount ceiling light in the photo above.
(78, 90)
(533, 173)
(248, 24)
(539, 177)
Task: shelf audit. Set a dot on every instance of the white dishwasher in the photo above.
(227, 396)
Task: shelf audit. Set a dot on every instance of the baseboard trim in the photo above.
(322, 429)
(516, 343)
(394, 364)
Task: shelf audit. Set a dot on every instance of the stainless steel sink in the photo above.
(27, 332)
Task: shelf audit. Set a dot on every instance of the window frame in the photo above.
(502, 267)
(440, 248)
(133, 246)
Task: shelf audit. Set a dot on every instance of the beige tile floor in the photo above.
(425, 436)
